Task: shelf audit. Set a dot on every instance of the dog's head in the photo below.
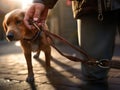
(14, 26)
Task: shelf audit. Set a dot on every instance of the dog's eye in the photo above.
(18, 22)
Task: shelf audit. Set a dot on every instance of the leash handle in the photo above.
(114, 64)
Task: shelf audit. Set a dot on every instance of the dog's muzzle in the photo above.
(10, 36)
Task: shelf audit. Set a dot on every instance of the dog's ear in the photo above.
(4, 25)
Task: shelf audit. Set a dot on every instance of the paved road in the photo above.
(64, 74)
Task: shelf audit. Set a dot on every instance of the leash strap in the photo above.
(104, 63)
(100, 14)
(107, 7)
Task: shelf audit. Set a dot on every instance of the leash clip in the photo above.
(100, 17)
(103, 63)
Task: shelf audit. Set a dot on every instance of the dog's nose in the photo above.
(10, 36)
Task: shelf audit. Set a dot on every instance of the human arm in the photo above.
(49, 3)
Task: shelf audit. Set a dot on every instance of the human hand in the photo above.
(36, 12)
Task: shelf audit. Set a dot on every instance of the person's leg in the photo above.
(97, 38)
(118, 21)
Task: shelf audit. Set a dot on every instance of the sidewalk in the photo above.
(64, 74)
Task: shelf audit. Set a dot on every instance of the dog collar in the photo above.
(34, 37)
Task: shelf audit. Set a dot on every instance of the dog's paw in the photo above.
(30, 79)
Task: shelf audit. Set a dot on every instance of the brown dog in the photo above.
(31, 40)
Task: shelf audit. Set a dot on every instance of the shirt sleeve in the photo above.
(49, 3)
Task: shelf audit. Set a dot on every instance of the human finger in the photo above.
(28, 15)
(39, 8)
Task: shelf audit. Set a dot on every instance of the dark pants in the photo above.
(97, 38)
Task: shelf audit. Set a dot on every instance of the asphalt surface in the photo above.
(63, 75)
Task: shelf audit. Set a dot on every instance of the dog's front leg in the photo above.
(30, 77)
(27, 53)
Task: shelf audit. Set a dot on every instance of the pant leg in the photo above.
(118, 21)
(97, 38)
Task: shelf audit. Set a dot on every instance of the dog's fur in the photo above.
(16, 30)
